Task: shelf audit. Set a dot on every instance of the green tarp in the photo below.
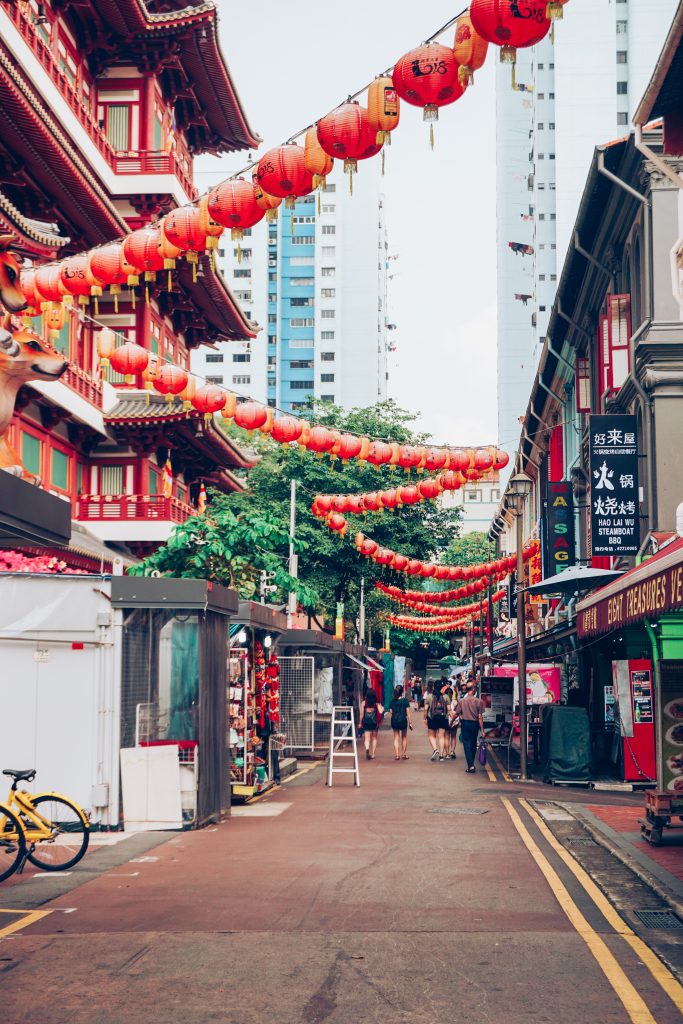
(566, 745)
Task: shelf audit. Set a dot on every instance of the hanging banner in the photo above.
(615, 525)
(559, 547)
(512, 595)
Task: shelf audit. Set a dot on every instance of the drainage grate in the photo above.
(457, 810)
(659, 919)
(580, 841)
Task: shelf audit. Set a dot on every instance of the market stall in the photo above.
(254, 729)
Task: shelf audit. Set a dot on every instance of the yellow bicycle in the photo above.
(47, 829)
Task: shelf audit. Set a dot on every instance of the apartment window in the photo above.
(301, 261)
(542, 309)
(329, 208)
(214, 380)
(241, 357)
(541, 277)
(301, 364)
(622, 118)
(540, 67)
(622, 28)
(272, 275)
(242, 273)
(551, 95)
(622, 88)
(302, 321)
(246, 253)
(327, 357)
(328, 314)
(301, 282)
(329, 250)
(329, 229)
(327, 335)
(301, 385)
(327, 378)
(553, 216)
(541, 216)
(473, 495)
(272, 296)
(551, 156)
(304, 220)
(495, 494)
(551, 126)
(541, 156)
(553, 277)
(272, 318)
(540, 126)
(214, 357)
(304, 301)
(541, 95)
(328, 272)
(327, 293)
(304, 239)
(300, 343)
(241, 379)
(330, 187)
(327, 398)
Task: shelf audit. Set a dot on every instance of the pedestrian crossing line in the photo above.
(632, 1001)
(27, 917)
(656, 967)
(500, 767)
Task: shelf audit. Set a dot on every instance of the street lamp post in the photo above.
(520, 487)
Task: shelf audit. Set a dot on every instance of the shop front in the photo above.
(631, 643)
(255, 735)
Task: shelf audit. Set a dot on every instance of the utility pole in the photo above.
(293, 559)
(361, 611)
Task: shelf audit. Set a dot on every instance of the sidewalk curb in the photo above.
(600, 834)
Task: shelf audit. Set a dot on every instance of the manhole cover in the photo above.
(580, 841)
(659, 919)
(457, 810)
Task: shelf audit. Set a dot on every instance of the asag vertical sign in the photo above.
(559, 549)
(615, 526)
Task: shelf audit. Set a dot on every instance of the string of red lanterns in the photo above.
(429, 76)
(425, 604)
(369, 548)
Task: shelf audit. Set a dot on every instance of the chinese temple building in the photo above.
(103, 107)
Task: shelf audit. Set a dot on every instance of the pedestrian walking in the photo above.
(418, 696)
(453, 722)
(471, 711)
(436, 720)
(401, 721)
(371, 712)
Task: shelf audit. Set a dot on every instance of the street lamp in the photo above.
(519, 488)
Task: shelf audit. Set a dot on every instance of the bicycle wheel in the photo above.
(12, 843)
(70, 834)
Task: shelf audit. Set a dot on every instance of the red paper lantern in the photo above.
(75, 278)
(129, 359)
(107, 264)
(409, 456)
(441, 572)
(483, 459)
(428, 570)
(435, 459)
(458, 459)
(450, 480)
(401, 563)
(380, 453)
(48, 285)
(282, 172)
(250, 415)
(429, 489)
(389, 499)
(336, 522)
(346, 135)
(414, 567)
(233, 204)
(209, 399)
(141, 251)
(317, 162)
(269, 204)
(286, 429)
(384, 556)
(321, 440)
(349, 447)
(170, 380)
(372, 502)
(428, 77)
(27, 284)
(183, 229)
(454, 572)
(369, 547)
(501, 22)
(383, 109)
(408, 495)
(500, 459)
(323, 502)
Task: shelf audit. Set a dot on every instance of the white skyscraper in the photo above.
(572, 94)
(315, 280)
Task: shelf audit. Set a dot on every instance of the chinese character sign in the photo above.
(615, 525)
(559, 550)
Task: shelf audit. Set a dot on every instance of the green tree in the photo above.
(470, 549)
(328, 564)
(231, 549)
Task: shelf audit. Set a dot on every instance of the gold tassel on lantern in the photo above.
(554, 10)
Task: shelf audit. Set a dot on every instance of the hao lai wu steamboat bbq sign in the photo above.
(615, 523)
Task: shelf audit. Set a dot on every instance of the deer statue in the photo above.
(11, 294)
(24, 356)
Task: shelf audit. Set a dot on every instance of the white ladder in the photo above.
(343, 730)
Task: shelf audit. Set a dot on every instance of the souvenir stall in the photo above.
(254, 729)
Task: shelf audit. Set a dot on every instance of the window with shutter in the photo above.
(583, 384)
(619, 307)
(111, 480)
(118, 126)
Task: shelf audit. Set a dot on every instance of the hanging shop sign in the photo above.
(615, 526)
(513, 591)
(559, 548)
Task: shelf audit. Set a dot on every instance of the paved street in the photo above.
(426, 895)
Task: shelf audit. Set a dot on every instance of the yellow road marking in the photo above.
(605, 959)
(500, 767)
(301, 771)
(29, 917)
(490, 771)
(655, 966)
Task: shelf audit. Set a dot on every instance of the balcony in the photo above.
(132, 517)
(83, 384)
(131, 162)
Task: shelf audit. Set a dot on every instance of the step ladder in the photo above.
(343, 730)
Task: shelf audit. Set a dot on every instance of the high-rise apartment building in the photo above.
(315, 280)
(572, 93)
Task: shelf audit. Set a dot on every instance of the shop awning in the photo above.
(261, 616)
(574, 580)
(364, 664)
(643, 594)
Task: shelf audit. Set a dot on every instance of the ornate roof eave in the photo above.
(30, 241)
(210, 296)
(30, 119)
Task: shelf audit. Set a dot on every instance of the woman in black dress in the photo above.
(371, 712)
(401, 721)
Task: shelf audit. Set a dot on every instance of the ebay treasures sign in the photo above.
(647, 599)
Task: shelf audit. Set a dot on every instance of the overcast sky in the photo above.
(294, 61)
